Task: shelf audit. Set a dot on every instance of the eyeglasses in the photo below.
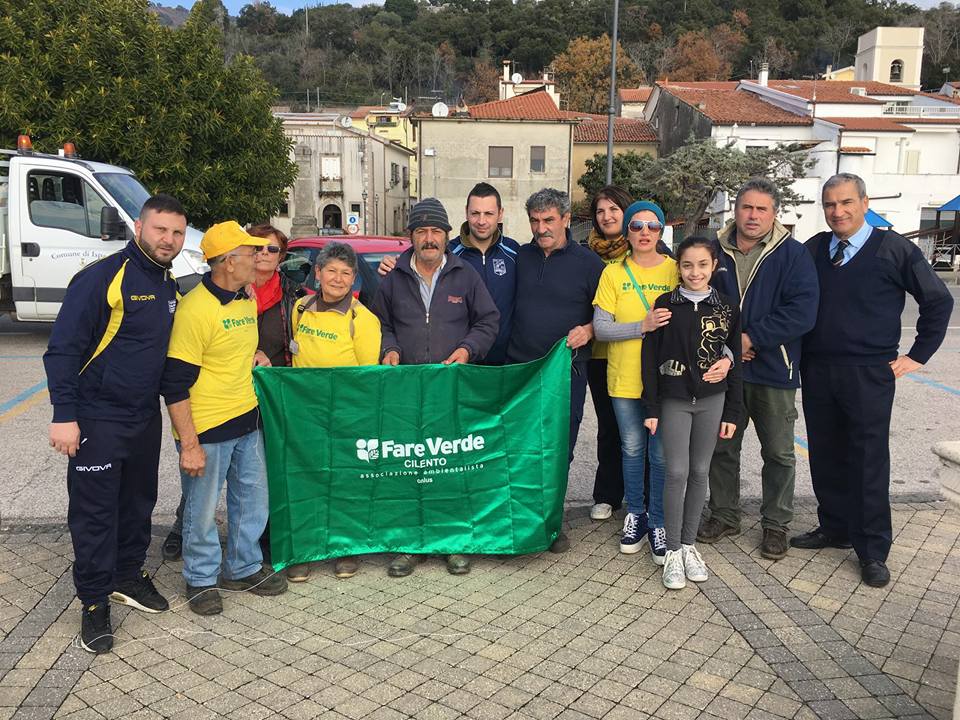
(272, 249)
(652, 226)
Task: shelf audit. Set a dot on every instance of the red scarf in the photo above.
(269, 294)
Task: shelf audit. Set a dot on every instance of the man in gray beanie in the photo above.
(434, 308)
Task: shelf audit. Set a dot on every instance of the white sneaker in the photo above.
(673, 575)
(693, 565)
(601, 511)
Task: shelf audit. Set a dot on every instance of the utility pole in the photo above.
(611, 111)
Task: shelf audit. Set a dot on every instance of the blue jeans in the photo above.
(638, 444)
(240, 463)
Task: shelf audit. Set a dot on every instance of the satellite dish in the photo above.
(401, 106)
(516, 78)
(439, 110)
(344, 121)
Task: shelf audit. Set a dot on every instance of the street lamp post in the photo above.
(611, 110)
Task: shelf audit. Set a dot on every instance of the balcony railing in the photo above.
(922, 111)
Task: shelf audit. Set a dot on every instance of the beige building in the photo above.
(342, 173)
(519, 146)
(590, 138)
(891, 55)
(632, 101)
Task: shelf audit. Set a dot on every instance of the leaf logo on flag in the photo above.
(368, 449)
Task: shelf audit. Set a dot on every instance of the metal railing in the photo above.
(922, 111)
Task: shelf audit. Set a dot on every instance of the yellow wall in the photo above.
(401, 132)
(584, 151)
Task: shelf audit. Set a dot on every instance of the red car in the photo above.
(370, 249)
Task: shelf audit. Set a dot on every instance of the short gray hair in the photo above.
(336, 251)
(761, 185)
(841, 178)
(548, 198)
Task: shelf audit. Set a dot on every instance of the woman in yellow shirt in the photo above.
(622, 314)
(332, 329)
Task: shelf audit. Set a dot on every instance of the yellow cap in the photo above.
(225, 237)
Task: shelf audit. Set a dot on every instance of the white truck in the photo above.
(59, 213)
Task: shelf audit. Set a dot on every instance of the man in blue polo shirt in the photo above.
(556, 282)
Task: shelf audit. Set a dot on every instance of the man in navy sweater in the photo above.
(556, 282)
(850, 366)
(106, 355)
(773, 278)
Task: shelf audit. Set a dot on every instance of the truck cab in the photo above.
(59, 213)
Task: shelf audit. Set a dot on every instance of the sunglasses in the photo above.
(272, 249)
(652, 226)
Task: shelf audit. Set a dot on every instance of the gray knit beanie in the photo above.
(428, 213)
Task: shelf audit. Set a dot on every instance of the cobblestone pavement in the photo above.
(588, 634)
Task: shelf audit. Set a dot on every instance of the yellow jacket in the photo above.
(340, 335)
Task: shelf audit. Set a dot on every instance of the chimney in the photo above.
(506, 71)
(764, 74)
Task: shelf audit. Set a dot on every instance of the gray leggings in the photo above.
(688, 433)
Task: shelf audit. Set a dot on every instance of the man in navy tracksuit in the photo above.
(850, 366)
(483, 245)
(773, 278)
(106, 355)
(556, 282)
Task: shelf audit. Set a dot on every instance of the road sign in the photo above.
(353, 219)
(353, 228)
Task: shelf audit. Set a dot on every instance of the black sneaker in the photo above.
(96, 633)
(172, 549)
(141, 594)
(264, 581)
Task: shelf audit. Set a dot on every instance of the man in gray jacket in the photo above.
(433, 308)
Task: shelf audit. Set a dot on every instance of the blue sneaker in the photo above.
(658, 544)
(634, 532)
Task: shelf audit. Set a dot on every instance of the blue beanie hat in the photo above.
(637, 207)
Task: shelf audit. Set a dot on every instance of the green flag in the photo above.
(415, 458)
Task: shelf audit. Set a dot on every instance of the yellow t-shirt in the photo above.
(618, 297)
(338, 337)
(599, 350)
(222, 340)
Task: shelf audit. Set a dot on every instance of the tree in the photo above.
(582, 72)
(775, 54)
(481, 83)
(706, 54)
(106, 75)
(685, 182)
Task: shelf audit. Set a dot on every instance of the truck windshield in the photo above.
(126, 190)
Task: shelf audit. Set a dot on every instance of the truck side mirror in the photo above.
(111, 226)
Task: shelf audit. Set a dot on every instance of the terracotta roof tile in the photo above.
(930, 120)
(855, 150)
(727, 105)
(625, 130)
(869, 124)
(943, 98)
(535, 105)
(361, 112)
(838, 91)
(635, 95)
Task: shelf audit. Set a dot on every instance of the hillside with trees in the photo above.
(448, 48)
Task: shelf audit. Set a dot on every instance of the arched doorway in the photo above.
(332, 218)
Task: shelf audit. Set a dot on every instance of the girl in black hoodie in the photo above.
(689, 412)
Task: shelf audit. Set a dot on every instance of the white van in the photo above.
(59, 213)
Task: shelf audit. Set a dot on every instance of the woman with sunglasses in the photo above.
(276, 294)
(622, 314)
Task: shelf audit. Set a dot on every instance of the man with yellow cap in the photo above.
(208, 388)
